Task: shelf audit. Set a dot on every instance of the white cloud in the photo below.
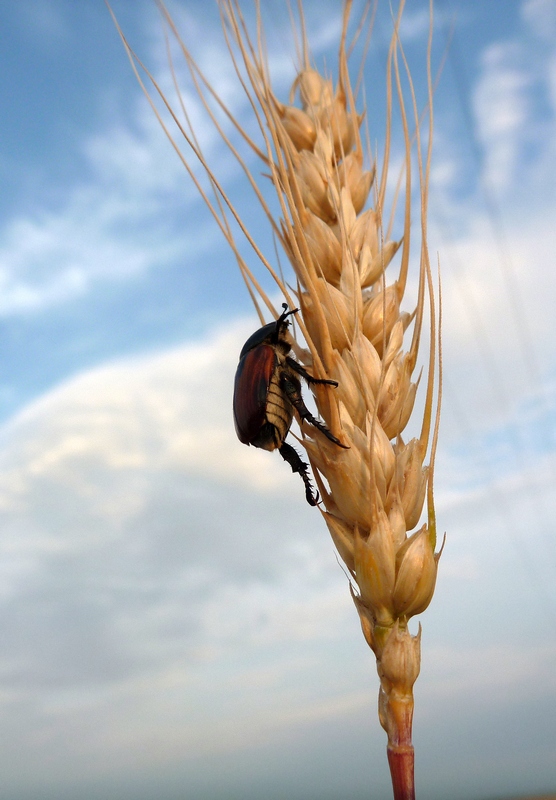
(541, 16)
(499, 351)
(56, 256)
(501, 106)
(154, 566)
(115, 224)
(137, 209)
(145, 551)
(515, 111)
(415, 25)
(496, 247)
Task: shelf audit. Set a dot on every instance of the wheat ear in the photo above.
(354, 329)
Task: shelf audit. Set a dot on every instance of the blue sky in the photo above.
(174, 621)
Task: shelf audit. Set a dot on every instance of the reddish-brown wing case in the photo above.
(251, 386)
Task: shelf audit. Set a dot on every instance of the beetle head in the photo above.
(275, 333)
(282, 323)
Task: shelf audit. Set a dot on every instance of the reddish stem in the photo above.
(401, 759)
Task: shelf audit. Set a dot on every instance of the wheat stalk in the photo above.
(353, 327)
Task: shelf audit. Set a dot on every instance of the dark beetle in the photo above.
(267, 390)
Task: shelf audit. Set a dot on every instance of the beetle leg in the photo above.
(294, 460)
(294, 396)
(296, 366)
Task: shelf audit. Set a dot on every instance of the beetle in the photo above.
(267, 391)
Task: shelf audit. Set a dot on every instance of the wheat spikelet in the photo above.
(355, 332)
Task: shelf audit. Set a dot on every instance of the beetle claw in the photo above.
(294, 460)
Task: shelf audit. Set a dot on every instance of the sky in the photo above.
(174, 621)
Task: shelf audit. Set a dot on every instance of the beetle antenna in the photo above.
(281, 321)
(285, 313)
